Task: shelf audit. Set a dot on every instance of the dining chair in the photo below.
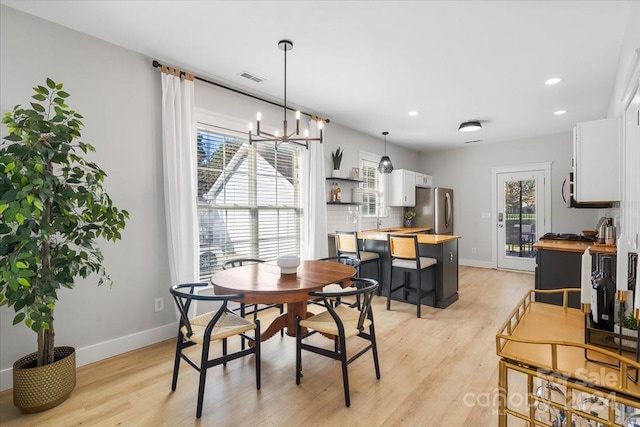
(404, 257)
(252, 308)
(347, 245)
(202, 330)
(350, 261)
(341, 322)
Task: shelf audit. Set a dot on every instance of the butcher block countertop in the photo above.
(429, 239)
(573, 246)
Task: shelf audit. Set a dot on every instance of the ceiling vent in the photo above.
(252, 77)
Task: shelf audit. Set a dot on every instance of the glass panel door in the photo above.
(520, 216)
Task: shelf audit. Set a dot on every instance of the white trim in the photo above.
(544, 166)
(106, 349)
(633, 75)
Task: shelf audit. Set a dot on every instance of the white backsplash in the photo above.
(347, 218)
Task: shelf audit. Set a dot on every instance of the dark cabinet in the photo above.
(557, 270)
(447, 285)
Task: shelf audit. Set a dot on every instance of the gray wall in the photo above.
(468, 171)
(118, 93)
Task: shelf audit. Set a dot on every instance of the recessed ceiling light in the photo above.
(559, 112)
(470, 126)
(413, 113)
(553, 81)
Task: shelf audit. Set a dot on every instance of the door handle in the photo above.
(501, 225)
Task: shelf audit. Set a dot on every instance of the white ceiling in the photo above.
(365, 64)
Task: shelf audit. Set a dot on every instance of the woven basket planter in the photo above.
(36, 389)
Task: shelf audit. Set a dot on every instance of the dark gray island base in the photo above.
(559, 265)
(443, 248)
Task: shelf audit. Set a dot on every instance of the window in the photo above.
(371, 185)
(248, 198)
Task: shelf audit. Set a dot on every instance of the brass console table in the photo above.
(545, 378)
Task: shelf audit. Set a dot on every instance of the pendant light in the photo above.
(385, 165)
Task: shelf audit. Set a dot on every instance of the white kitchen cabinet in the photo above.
(596, 161)
(423, 180)
(400, 189)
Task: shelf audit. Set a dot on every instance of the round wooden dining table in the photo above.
(264, 284)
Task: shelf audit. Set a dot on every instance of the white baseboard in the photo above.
(104, 350)
(476, 263)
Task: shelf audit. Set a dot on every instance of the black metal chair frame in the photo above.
(183, 302)
(365, 290)
(421, 293)
(378, 260)
(253, 308)
(346, 260)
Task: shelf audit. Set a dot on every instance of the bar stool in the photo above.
(404, 256)
(347, 245)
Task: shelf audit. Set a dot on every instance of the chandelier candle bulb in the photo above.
(585, 279)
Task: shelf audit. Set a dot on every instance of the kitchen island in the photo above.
(442, 247)
(559, 265)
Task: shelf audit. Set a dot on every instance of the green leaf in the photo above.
(21, 264)
(18, 318)
(63, 94)
(39, 97)
(41, 89)
(9, 167)
(24, 282)
(37, 107)
(20, 218)
(51, 83)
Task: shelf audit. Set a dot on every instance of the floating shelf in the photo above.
(344, 203)
(343, 179)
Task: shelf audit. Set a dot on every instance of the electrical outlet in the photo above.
(159, 304)
(473, 250)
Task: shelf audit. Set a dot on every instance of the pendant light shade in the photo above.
(385, 165)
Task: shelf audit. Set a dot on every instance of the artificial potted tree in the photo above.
(53, 210)
(336, 157)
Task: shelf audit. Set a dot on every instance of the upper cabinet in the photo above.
(596, 166)
(423, 180)
(400, 188)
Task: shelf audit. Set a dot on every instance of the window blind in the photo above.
(248, 199)
(370, 188)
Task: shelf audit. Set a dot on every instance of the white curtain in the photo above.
(314, 203)
(180, 188)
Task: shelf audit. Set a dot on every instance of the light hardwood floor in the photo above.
(440, 370)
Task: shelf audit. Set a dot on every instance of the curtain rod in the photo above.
(156, 64)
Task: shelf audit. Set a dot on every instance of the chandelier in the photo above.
(285, 137)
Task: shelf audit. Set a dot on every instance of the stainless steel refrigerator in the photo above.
(434, 209)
